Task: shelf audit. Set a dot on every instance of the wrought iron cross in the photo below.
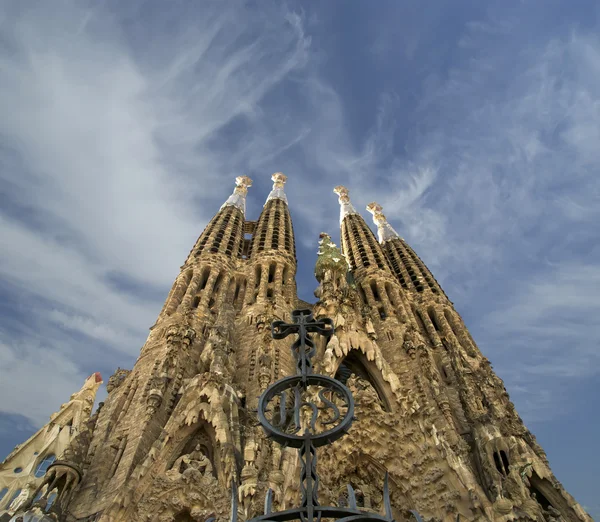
(303, 347)
(331, 409)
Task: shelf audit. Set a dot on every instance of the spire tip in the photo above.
(384, 229)
(238, 198)
(279, 180)
(346, 207)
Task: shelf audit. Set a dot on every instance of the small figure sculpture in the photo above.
(196, 461)
(21, 499)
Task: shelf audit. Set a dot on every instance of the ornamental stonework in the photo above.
(434, 429)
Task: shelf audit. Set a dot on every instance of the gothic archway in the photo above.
(356, 363)
(200, 441)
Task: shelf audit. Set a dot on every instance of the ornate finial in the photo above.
(238, 198)
(346, 207)
(279, 180)
(329, 257)
(384, 229)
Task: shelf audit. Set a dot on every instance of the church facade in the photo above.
(179, 428)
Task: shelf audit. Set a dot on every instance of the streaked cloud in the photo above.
(124, 124)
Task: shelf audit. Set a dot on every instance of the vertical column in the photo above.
(208, 289)
(278, 284)
(186, 302)
(264, 281)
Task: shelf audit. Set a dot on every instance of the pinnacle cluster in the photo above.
(179, 428)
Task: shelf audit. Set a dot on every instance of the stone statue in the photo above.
(196, 461)
(21, 499)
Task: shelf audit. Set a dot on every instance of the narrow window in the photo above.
(15, 495)
(51, 500)
(501, 462)
(271, 272)
(204, 278)
(375, 291)
(504, 459)
(218, 283)
(3, 493)
(431, 314)
(40, 471)
(257, 274)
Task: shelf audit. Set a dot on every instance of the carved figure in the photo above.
(21, 499)
(194, 461)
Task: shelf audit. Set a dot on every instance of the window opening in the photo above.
(375, 291)
(42, 467)
(257, 274)
(184, 516)
(431, 314)
(3, 493)
(51, 500)
(218, 283)
(15, 495)
(501, 462)
(504, 459)
(204, 278)
(271, 272)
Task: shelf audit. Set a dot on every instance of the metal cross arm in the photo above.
(303, 323)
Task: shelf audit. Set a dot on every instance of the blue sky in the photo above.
(475, 124)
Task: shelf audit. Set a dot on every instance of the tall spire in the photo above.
(346, 207)
(238, 198)
(384, 229)
(279, 180)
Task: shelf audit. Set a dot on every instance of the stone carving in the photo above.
(21, 499)
(116, 379)
(190, 464)
(434, 422)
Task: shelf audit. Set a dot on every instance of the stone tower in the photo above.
(178, 429)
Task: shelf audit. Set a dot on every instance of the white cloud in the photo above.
(119, 152)
(110, 152)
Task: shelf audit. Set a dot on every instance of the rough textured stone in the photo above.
(180, 427)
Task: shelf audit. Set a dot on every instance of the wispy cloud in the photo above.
(110, 151)
(124, 125)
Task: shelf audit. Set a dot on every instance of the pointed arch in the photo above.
(184, 516)
(202, 434)
(355, 362)
(547, 495)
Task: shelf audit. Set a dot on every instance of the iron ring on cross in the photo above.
(298, 408)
